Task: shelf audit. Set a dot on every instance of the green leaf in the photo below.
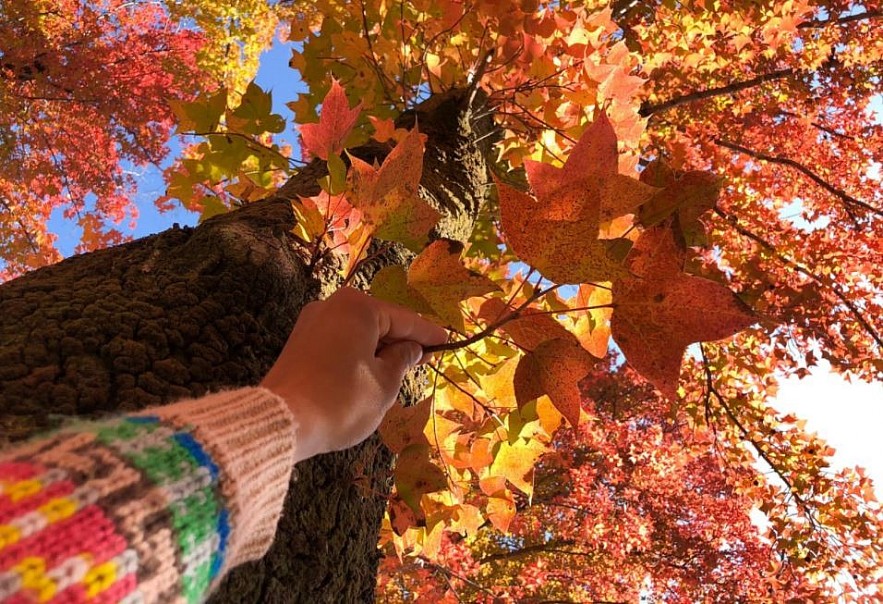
(391, 284)
(201, 115)
(254, 113)
(212, 206)
(335, 182)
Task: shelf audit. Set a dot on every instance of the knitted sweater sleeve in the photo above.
(148, 508)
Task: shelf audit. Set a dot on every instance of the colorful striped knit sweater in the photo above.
(147, 508)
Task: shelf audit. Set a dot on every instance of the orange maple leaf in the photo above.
(659, 310)
(403, 426)
(688, 195)
(387, 196)
(555, 368)
(415, 475)
(557, 233)
(529, 330)
(440, 278)
(592, 327)
(515, 462)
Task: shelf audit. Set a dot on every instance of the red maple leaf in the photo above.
(555, 368)
(659, 310)
(336, 121)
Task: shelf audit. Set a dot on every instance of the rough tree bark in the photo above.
(192, 310)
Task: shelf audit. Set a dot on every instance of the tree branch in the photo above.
(871, 14)
(648, 109)
(819, 126)
(251, 142)
(746, 434)
(24, 229)
(372, 59)
(493, 326)
(785, 161)
(731, 220)
(447, 571)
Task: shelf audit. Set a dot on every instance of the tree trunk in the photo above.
(192, 310)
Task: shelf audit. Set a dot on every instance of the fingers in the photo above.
(395, 360)
(395, 323)
(399, 323)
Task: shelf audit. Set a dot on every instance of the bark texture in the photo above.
(192, 310)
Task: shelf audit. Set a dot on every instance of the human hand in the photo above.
(343, 365)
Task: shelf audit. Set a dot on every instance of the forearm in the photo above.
(154, 507)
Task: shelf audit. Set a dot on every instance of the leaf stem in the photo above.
(493, 326)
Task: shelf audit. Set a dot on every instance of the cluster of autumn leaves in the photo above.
(775, 94)
(657, 308)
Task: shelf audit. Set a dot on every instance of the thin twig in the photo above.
(786, 161)
(746, 436)
(493, 326)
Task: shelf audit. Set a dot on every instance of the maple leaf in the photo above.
(589, 181)
(439, 276)
(468, 519)
(659, 310)
(401, 516)
(480, 455)
(337, 217)
(515, 462)
(442, 433)
(387, 196)
(385, 129)
(201, 114)
(500, 502)
(557, 233)
(254, 114)
(531, 328)
(416, 475)
(499, 385)
(403, 426)
(614, 81)
(548, 415)
(336, 121)
(391, 284)
(453, 397)
(555, 368)
(689, 196)
(592, 327)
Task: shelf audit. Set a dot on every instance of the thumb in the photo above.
(397, 359)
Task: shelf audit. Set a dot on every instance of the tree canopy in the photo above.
(685, 208)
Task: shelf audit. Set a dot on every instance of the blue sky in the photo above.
(847, 415)
(274, 75)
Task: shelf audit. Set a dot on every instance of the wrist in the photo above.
(308, 438)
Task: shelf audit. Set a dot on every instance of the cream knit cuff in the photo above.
(250, 434)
